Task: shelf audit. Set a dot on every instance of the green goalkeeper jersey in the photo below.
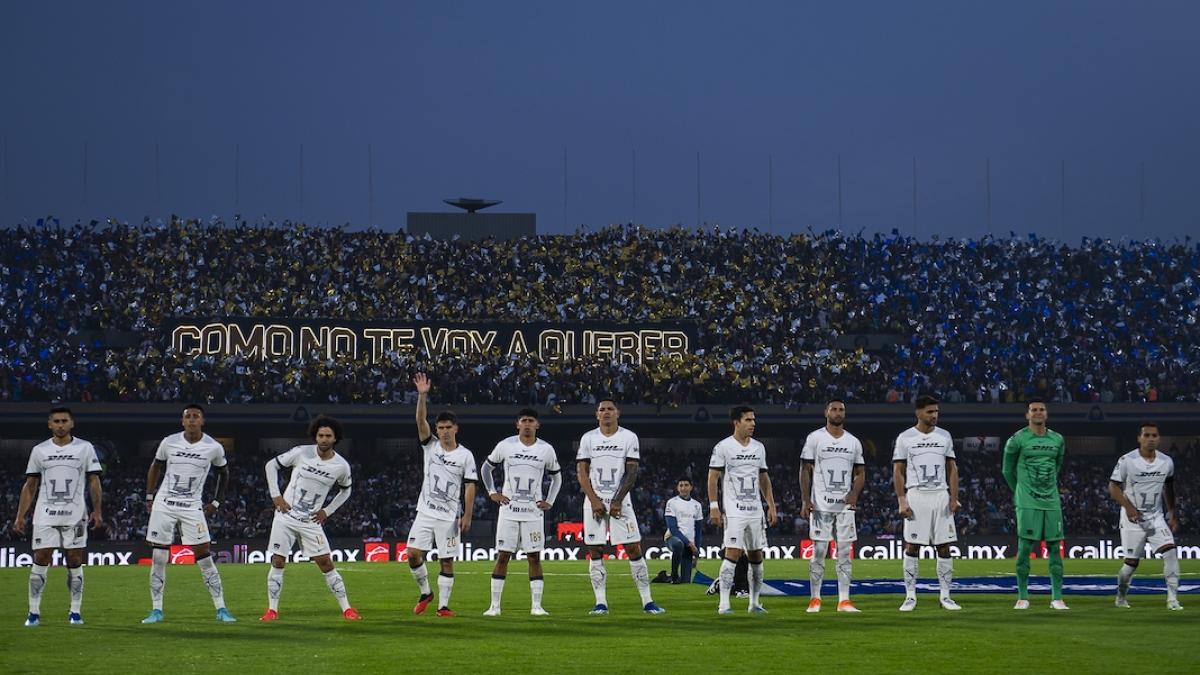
(1031, 465)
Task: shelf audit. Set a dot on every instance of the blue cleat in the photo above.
(33, 619)
(598, 610)
(155, 616)
(652, 608)
(75, 619)
(724, 610)
(224, 616)
(757, 609)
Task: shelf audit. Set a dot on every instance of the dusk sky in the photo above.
(481, 99)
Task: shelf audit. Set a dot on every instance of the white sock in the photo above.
(37, 582)
(728, 568)
(641, 579)
(158, 576)
(844, 568)
(422, 576)
(816, 568)
(1124, 577)
(535, 591)
(756, 582)
(75, 583)
(599, 578)
(497, 590)
(274, 587)
(945, 572)
(212, 579)
(445, 586)
(910, 576)
(1171, 573)
(336, 586)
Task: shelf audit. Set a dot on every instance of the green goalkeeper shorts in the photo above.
(1040, 525)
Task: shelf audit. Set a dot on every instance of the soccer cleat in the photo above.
(814, 606)
(1058, 604)
(492, 611)
(714, 587)
(652, 608)
(422, 603)
(950, 604)
(155, 616)
(1021, 604)
(33, 619)
(534, 611)
(224, 616)
(1122, 602)
(1172, 605)
(741, 594)
(269, 615)
(847, 606)
(599, 609)
(445, 612)
(724, 610)
(75, 619)
(756, 609)
(351, 614)
(908, 605)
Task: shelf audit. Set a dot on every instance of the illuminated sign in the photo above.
(272, 339)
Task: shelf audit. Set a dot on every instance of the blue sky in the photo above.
(486, 99)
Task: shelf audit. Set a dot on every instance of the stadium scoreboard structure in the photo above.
(470, 224)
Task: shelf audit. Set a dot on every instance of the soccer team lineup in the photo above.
(64, 471)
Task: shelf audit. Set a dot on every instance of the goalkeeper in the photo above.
(1032, 459)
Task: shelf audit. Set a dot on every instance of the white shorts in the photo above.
(431, 534)
(60, 536)
(832, 525)
(285, 530)
(932, 523)
(1152, 530)
(193, 528)
(747, 534)
(623, 530)
(520, 535)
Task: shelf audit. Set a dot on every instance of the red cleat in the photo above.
(269, 615)
(351, 615)
(423, 603)
(446, 612)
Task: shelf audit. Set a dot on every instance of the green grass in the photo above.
(987, 636)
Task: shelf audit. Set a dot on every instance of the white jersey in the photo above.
(312, 480)
(607, 456)
(739, 485)
(926, 455)
(524, 468)
(63, 471)
(833, 461)
(187, 468)
(445, 473)
(1143, 481)
(686, 513)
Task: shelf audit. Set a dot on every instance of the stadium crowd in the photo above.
(994, 319)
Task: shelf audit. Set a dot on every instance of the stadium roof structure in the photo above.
(471, 204)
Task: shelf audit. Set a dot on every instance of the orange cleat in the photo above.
(814, 606)
(847, 606)
(446, 612)
(422, 603)
(351, 615)
(269, 615)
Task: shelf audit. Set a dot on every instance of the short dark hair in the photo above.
(683, 479)
(446, 416)
(609, 398)
(325, 421)
(1145, 424)
(1032, 401)
(527, 412)
(61, 409)
(738, 411)
(193, 406)
(924, 401)
(832, 401)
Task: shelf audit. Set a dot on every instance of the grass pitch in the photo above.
(986, 636)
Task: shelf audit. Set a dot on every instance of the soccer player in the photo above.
(447, 490)
(182, 462)
(1142, 480)
(739, 462)
(521, 524)
(607, 467)
(57, 471)
(685, 523)
(925, 477)
(301, 510)
(834, 457)
(1032, 459)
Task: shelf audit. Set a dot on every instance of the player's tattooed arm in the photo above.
(28, 493)
(627, 483)
(468, 506)
(898, 469)
(583, 474)
(857, 483)
(806, 475)
(486, 472)
(152, 478)
(96, 519)
(1169, 502)
(952, 479)
(219, 491)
